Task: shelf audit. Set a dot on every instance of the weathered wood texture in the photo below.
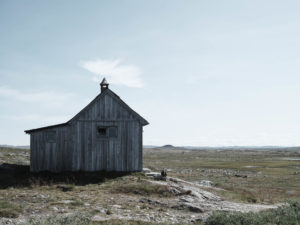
(78, 147)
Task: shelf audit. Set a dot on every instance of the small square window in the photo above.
(102, 131)
(51, 136)
(113, 132)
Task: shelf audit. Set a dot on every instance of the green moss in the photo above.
(9, 210)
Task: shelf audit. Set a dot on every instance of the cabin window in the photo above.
(51, 136)
(107, 132)
(113, 132)
(102, 131)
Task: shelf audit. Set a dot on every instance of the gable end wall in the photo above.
(78, 148)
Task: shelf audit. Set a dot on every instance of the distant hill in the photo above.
(16, 146)
(255, 148)
(150, 146)
(168, 146)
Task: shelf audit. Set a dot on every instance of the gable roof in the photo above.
(107, 91)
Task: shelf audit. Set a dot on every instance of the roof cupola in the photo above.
(104, 85)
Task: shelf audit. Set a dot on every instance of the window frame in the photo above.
(107, 132)
(99, 134)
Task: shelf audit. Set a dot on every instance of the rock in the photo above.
(66, 201)
(96, 218)
(179, 207)
(117, 206)
(63, 211)
(187, 199)
(6, 221)
(160, 177)
(174, 191)
(173, 180)
(194, 208)
(207, 183)
(146, 170)
(86, 204)
(151, 202)
(152, 174)
(101, 210)
(54, 208)
(143, 200)
(42, 196)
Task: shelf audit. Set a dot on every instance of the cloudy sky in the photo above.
(206, 73)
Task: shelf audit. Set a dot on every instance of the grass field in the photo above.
(253, 175)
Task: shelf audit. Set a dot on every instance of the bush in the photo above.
(284, 215)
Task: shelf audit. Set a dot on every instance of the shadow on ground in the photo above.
(13, 175)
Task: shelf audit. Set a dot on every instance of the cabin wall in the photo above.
(77, 147)
(123, 153)
(50, 155)
(92, 153)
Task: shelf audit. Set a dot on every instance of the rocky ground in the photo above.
(198, 184)
(174, 201)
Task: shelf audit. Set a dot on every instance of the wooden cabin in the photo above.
(106, 135)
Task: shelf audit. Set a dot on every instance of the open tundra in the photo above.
(198, 183)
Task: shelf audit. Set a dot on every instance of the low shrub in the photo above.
(125, 222)
(143, 188)
(9, 210)
(83, 219)
(284, 215)
(78, 219)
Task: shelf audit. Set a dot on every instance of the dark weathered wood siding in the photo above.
(78, 147)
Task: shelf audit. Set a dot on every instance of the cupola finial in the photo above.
(104, 85)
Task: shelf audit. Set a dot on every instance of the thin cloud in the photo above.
(53, 99)
(126, 75)
(41, 118)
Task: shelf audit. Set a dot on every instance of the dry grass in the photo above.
(9, 210)
(143, 188)
(249, 176)
(272, 179)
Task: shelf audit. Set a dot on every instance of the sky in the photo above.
(203, 73)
